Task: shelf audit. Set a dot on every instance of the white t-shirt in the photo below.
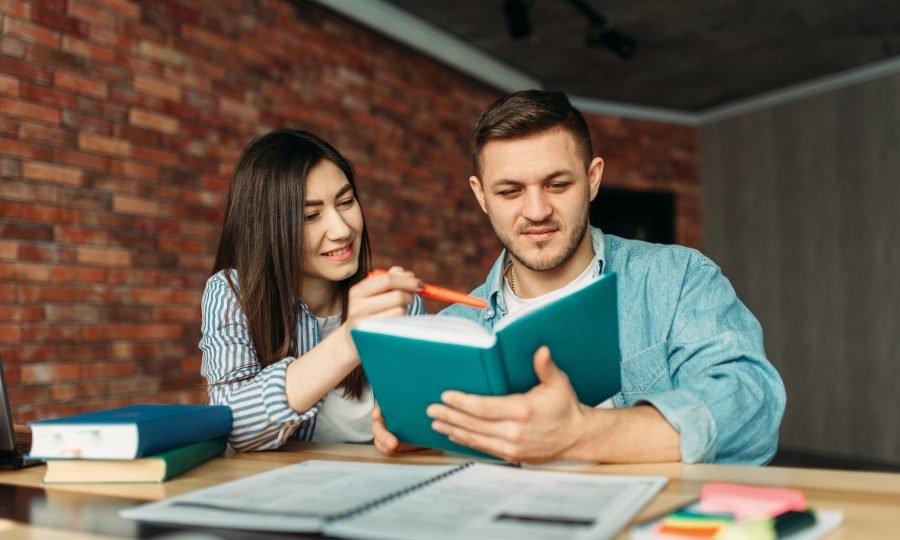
(514, 303)
(343, 419)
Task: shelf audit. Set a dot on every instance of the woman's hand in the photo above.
(382, 295)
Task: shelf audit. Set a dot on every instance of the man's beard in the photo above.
(554, 261)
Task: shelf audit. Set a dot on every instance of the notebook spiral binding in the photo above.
(391, 496)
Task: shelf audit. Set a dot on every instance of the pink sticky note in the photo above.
(748, 501)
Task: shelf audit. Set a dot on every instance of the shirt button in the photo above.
(488, 313)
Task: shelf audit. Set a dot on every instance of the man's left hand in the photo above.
(541, 425)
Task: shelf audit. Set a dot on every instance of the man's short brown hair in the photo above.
(527, 113)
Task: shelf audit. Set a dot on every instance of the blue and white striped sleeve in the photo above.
(263, 420)
(417, 307)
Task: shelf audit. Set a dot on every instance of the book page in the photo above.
(489, 501)
(544, 300)
(438, 328)
(294, 498)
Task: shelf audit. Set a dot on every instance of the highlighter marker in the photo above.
(444, 295)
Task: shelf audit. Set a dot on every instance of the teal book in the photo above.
(156, 468)
(410, 361)
(127, 432)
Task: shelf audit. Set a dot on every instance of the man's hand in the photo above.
(386, 441)
(541, 425)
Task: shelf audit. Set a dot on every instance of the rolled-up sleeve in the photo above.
(728, 400)
(263, 419)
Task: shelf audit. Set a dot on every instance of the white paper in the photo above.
(295, 498)
(478, 501)
(494, 501)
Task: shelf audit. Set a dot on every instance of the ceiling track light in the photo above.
(518, 20)
(601, 33)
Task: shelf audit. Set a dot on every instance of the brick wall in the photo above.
(120, 122)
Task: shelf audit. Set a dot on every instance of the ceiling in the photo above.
(691, 55)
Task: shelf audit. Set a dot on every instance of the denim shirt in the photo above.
(689, 347)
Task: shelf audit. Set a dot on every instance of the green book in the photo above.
(155, 468)
(410, 361)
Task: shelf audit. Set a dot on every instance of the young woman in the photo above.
(289, 283)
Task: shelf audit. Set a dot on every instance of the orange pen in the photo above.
(444, 295)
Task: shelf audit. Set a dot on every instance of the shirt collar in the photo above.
(494, 279)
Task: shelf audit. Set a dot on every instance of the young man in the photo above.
(696, 385)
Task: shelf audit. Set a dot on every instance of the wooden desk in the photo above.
(870, 501)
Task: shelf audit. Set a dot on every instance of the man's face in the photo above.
(536, 193)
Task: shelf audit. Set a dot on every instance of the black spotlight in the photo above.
(610, 38)
(603, 34)
(517, 18)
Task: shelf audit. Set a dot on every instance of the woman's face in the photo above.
(332, 225)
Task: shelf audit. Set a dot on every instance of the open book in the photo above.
(395, 501)
(410, 361)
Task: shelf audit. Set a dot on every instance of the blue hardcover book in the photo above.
(128, 432)
(410, 361)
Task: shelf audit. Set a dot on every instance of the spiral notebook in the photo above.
(399, 501)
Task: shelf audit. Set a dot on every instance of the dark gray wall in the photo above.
(800, 208)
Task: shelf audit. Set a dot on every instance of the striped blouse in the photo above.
(263, 420)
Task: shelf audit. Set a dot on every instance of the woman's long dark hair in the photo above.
(262, 239)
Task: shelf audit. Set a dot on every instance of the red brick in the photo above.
(52, 173)
(58, 21)
(130, 205)
(36, 232)
(24, 272)
(77, 274)
(16, 7)
(88, 50)
(80, 85)
(7, 292)
(13, 147)
(45, 253)
(73, 313)
(130, 331)
(107, 369)
(122, 7)
(12, 47)
(157, 87)
(8, 250)
(9, 85)
(150, 296)
(8, 126)
(10, 333)
(49, 214)
(48, 95)
(49, 373)
(160, 157)
(37, 132)
(30, 353)
(72, 235)
(25, 109)
(21, 313)
(160, 53)
(104, 257)
(25, 70)
(187, 78)
(84, 10)
(103, 145)
(136, 170)
(31, 32)
(176, 314)
(237, 109)
(10, 209)
(151, 120)
(80, 159)
(44, 293)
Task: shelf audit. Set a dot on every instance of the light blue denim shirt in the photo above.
(689, 347)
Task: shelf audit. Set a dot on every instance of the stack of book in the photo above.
(140, 443)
